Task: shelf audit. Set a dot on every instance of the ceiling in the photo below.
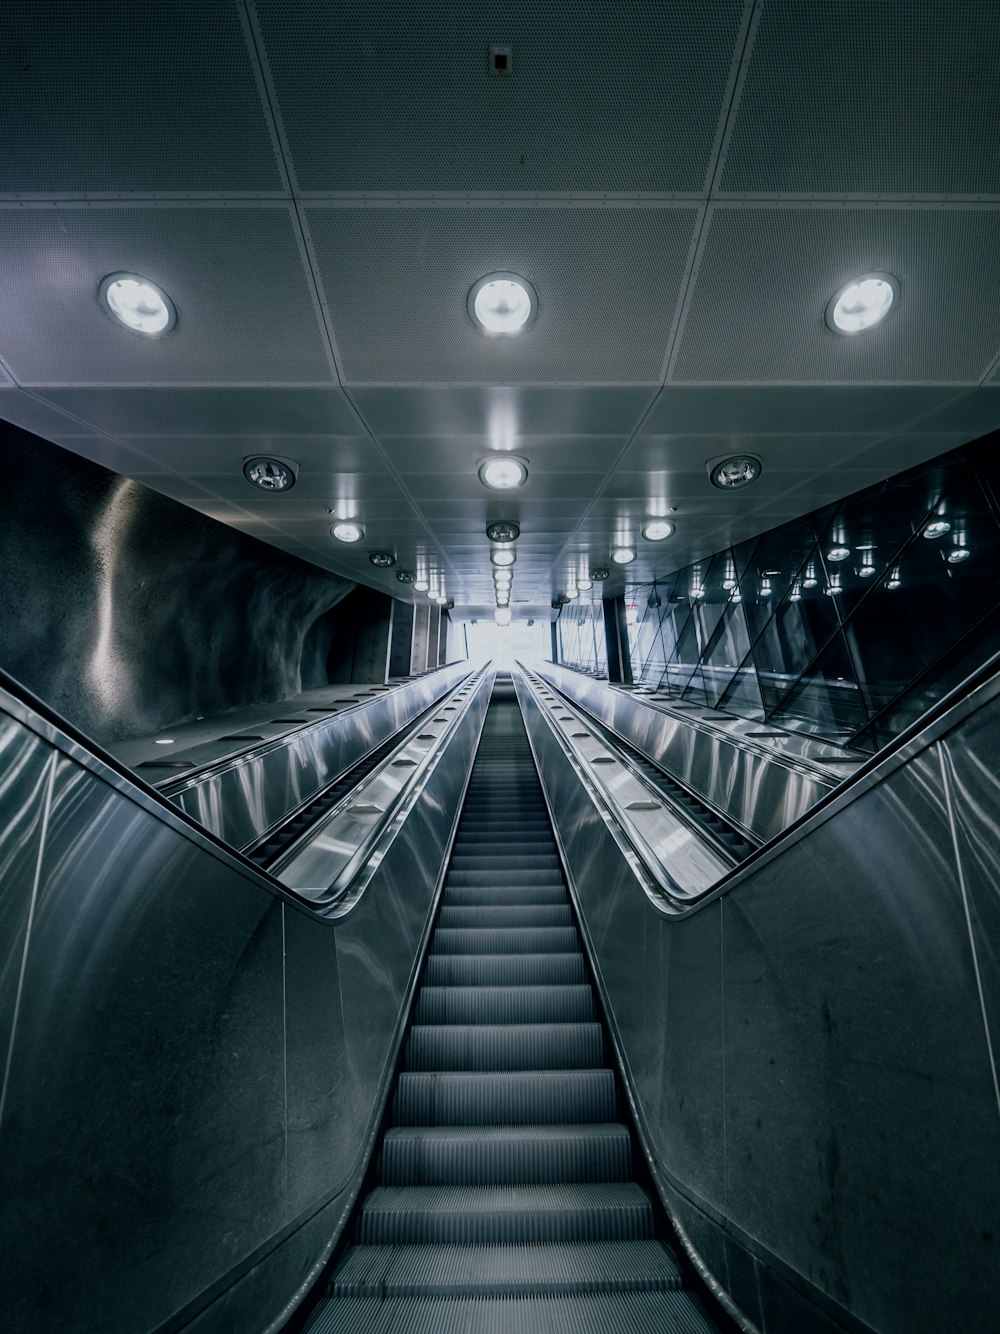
(318, 185)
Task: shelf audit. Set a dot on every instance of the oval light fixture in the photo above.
(504, 557)
(655, 530)
(838, 553)
(421, 585)
(958, 554)
(405, 576)
(737, 471)
(382, 560)
(502, 304)
(862, 303)
(140, 305)
(503, 530)
(269, 474)
(937, 528)
(348, 531)
(622, 555)
(503, 472)
(584, 585)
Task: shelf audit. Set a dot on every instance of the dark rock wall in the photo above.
(128, 612)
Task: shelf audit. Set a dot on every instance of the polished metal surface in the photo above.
(240, 799)
(675, 854)
(799, 1042)
(759, 791)
(197, 1060)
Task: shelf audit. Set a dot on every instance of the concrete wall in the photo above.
(128, 612)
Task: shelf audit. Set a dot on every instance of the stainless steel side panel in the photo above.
(241, 799)
(759, 793)
(195, 1065)
(811, 1052)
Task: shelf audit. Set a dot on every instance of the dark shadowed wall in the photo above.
(127, 611)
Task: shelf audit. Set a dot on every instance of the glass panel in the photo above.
(826, 700)
(804, 620)
(743, 693)
(726, 651)
(778, 561)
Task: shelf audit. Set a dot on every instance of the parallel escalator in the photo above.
(505, 1195)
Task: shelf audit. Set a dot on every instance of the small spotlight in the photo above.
(503, 530)
(348, 531)
(502, 304)
(862, 303)
(657, 529)
(269, 474)
(382, 560)
(137, 303)
(737, 471)
(622, 555)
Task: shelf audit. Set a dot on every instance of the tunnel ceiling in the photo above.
(318, 186)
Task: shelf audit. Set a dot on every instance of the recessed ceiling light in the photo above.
(347, 531)
(838, 553)
(138, 303)
(503, 530)
(405, 576)
(503, 472)
(503, 557)
(623, 555)
(937, 528)
(657, 529)
(584, 584)
(599, 574)
(383, 560)
(502, 304)
(269, 474)
(502, 615)
(737, 471)
(441, 600)
(958, 554)
(862, 303)
(894, 580)
(810, 581)
(421, 585)
(571, 593)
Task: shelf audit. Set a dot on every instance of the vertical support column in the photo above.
(421, 633)
(433, 636)
(554, 629)
(401, 638)
(616, 638)
(443, 639)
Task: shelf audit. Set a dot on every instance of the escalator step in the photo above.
(505, 1005)
(504, 1047)
(498, 940)
(504, 1271)
(477, 1215)
(471, 896)
(541, 1097)
(505, 970)
(506, 915)
(490, 875)
(507, 1156)
(542, 861)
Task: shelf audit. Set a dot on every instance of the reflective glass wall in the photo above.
(581, 634)
(848, 623)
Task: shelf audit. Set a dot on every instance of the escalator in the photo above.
(505, 1195)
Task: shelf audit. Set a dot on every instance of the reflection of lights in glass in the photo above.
(735, 472)
(833, 588)
(697, 592)
(421, 585)
(502, 303)
(728, 583)
(347, 531)
(503, 557)
(139, 304)
(622, 555)
(631, 614)
(503, 473)
(810, 580)
(441, 600)
(937, 528)
(838, 553)
(796, 594)
(861, 303)
(867, 567)
(736, 596)
(765, 588)
(502, 616)
(571, 593)
(894, 580)
(957, 554)
(503, 578)
(657, 529)
(584, 584)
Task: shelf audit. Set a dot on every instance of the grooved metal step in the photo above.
(598, 1313)
(504, 1047)
(458, 1271)
(471, 896)
(508, 1156)
(541, 1097)
(499, 940)
(511, 1005)
(476, 1215)
(503, 970)
(506, 915)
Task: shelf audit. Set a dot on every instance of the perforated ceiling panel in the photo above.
(767, 274)
(244, 309)
(397, 280)
(125, 96)
(392, 95)
(870, 96)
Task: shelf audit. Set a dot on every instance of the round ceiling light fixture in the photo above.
(421, 585)
(958, 554)
(737, 471)
(441, 599)
(502, 304)
(571, 594)
(622, 555)
(584, 585)
(270, 474)
(348, 531)
(405, 576)
(655, 530)
(504, 557)
(937, 528)
(138, 304)
(503, 472)
(382, 560)
(599, 574)
(503, 530)
(838, 553)
(862, 303)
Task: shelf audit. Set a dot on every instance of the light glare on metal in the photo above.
(503, 472)
(269, 474)
(138, 303)
(657, 529)
(502, 304)
(737, 471)
(623, 555)
(862, 303)
(348, 531)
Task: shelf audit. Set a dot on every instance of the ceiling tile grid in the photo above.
(390, 95)
(767, 273)
(396, 282)
(245, 306)
(125, 97)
